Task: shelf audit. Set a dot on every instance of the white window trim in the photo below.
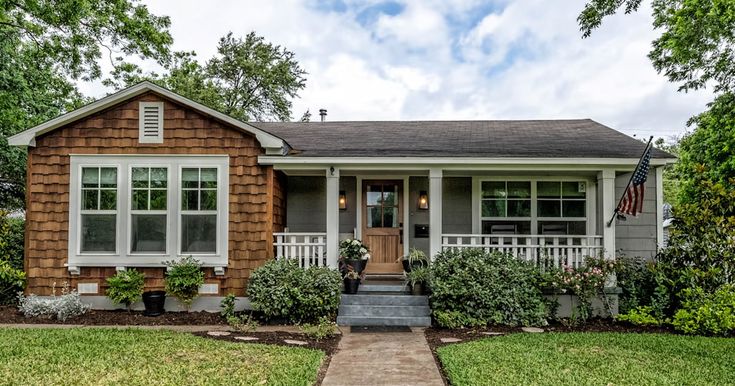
(533, 219)
(142, 138)
(124, 165)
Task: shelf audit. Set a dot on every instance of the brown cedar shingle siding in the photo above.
(115, 131)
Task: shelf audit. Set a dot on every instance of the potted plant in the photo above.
(415, 258)
(417, 278)
(351, 281)
(353, 253)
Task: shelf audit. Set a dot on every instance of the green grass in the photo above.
(591, 359)
(98, 356)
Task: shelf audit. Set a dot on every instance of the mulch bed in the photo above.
(10, 315)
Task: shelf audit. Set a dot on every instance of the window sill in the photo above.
(219, 263)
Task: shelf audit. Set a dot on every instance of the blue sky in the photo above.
(453, 59)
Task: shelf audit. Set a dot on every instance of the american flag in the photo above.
(632, 201)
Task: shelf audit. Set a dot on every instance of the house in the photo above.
(145, 175)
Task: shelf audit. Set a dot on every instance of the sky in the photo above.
(452, 59)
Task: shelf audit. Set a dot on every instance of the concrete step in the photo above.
(423, 321)
(373, 288)
(384, 300)
(382, 311)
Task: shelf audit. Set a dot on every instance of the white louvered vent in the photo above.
(151, 122)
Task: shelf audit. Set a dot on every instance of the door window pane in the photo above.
(198, 233)
(374, 219)
(390, 218)
(148, 233)
(98, 233)
(374, 194)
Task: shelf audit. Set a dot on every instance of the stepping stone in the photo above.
(492, 333)
(296, 342)
(218, 333)
(534, 330)
(450, 340)
(246, 338)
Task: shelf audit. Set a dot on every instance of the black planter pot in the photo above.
(351, 286)
(357, 265)
(154, 302)
(417, 289)
(409, 266)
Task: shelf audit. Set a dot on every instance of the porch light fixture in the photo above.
(423, 200)
(342, 200)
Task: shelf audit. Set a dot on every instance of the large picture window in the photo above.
(148, 212)
(98, 210)
(199, 210)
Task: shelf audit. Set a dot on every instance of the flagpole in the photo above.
(615, 213)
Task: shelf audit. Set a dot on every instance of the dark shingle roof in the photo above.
(581, 138)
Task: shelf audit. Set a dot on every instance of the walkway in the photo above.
(394, 358)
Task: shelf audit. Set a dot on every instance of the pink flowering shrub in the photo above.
(586, 282)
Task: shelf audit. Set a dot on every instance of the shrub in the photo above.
(183, 279)
(635, 277)
(244, 323)
(586, 282)
(11, 240)
(280, 288)
(324, 328)
(473, 287)
(228, 306)
(126, 287)
(707, 314)
(63, 307)
(640, 316)
(12, 281)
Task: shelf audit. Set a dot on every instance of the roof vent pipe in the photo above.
(323, 114)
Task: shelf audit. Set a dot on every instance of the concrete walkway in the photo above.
(395, 358)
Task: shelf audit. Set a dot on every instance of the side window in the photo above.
(148, 216)
(199, 210)
(98, 229)
(561, 207)
(506, 207)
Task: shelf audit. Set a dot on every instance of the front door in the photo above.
(382, 225)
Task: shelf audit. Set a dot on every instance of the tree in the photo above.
(44, 46)
(248, 79)
(671, 181)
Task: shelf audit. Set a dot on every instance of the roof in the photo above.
(577, 138)
(271, 143)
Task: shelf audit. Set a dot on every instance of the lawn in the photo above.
(591, 359)
(98, 356)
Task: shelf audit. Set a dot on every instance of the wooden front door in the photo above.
(382, 225)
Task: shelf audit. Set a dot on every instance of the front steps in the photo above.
(384, 303)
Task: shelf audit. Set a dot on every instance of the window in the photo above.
(98, 210)
(148, 214)
(198, 210)
(382, 206)
(533, 207)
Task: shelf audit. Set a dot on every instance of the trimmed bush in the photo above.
(707, 314)
(126, 287)
(11, 240)
(472, 287)
(12, 281)
(183, 279)
(281, 289)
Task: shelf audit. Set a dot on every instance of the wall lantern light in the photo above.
(423, 200)
(342, 200)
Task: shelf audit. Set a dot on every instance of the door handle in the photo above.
(400, 232)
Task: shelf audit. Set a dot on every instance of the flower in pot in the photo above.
(417, 278)
(351, 281)
(353, 253)
(415, 258)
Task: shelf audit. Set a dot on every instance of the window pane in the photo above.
(390, 217)
(573, 208)
(198, 233)
(549, 208)
(493, 189)
(159, 177)
(209, 178)
(190, 178)
(148, 233)
(493, 208)
(546, 189)
(519, 208)
(90, 177)
(108, 178)
(373, 217)
(108, 199)
(98, 233)
(189, 200)
(158, 200)
(506, 227)
(89, 199)
(562, 227)
(140, 177)
(140, 200)
(519, 189)
(571, 189)
(208, 200)
(374, 194)
(390, 196)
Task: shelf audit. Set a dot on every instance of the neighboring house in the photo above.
(145, 175)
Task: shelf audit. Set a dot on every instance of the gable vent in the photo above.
(151, 122)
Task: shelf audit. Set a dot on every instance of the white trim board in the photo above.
(271, 143)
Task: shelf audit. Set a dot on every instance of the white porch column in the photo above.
(606, 184)
(435, 212)
(332, 216)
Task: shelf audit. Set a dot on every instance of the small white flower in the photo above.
(363, 251)
(355, 242)
(366, 256)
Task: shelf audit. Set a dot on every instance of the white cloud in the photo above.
(523, 59)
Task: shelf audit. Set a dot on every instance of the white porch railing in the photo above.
(544, 250)
(309, 249)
